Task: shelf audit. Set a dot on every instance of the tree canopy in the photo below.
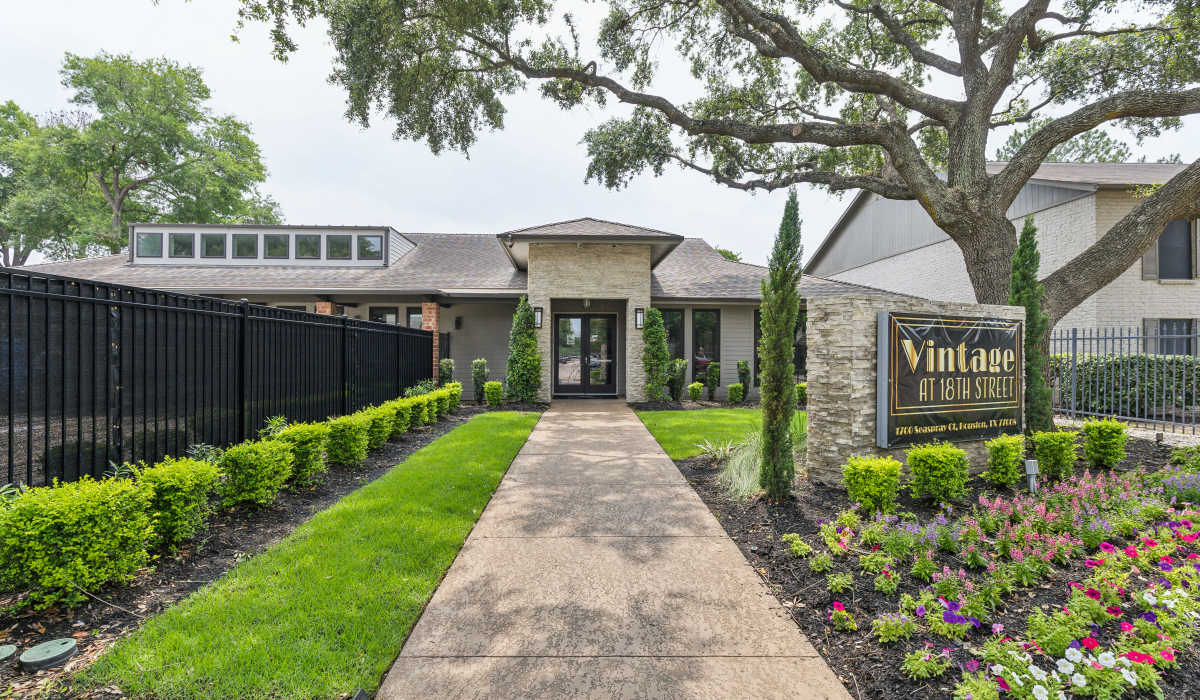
(898, 98)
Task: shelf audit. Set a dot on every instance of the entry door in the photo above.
(585, 354)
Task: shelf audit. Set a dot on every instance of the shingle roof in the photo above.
(590, 227)
(1102, 174)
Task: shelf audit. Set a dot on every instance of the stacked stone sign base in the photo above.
(842, 376)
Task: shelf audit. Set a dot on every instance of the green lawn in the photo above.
(326, 610)
(680, 431)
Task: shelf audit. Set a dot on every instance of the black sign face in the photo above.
(948, 378)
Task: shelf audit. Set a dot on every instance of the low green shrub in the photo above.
(308, 442)
(737, 392)
(479, 377)
(347, 445)
(712, 380)
(455, 390)
(422, 410)
(802, 393)
(403, 417)
(676, 378)
(1104, 442)
(743, 368)
(939, 471)
(58, 541)
(494, 392)
(1006, 455)
(445, 371)
(379, 428)
(420, 388)
(177, 490)
(1056, 453)
(441, 405)
(1139, 385)
(872, 482)
(252, 473)
(694, 390)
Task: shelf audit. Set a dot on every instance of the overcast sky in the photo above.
(323, 170)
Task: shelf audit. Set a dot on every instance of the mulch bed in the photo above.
(867, 668)
(232, 536)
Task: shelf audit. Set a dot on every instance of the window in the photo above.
(275, 245)
(673, 322)
(706, 340)
(370, 247)
(212, 245)
(384, 314)
(308, 247)
(414, 316)
(149, 245)
(1175, 336)
(183, 245)
(1175, 251)
(292, 307)
(337, 247)
(245, 245)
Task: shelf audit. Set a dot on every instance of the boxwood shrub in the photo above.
(737, 392)
(252, 473)
(308, 442)
(1006, 455)
(403, 416)
(1104, 442)
(421, 410)
(694, 390)
(712, 379)
(56, 540)
(939, 471)
(381, 421)
(493, 392)
(1055, 452)
(872, 482)
(456, 390)
(348, 440)
(177, 490)
(441, 402)
(802, 393)
(676, 378)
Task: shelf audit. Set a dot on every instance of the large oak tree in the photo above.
(898, 97)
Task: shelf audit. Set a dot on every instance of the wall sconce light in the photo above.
(639, 317)
(458, 323)
(537, 317)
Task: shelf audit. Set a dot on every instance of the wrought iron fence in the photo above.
(1135, 374)
(95, 374)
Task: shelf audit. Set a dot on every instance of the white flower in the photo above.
(1037, 673)
(1149, 598)
(1124, 661)
(1074, 655)
(1040, 693)
(997, 670)
(1169, 602)
(1017, 679)
(1078, 680)
(1062, 695)
(1066, 666)
(1107, 660)
(1129, 676)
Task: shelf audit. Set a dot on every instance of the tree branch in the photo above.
(905, 39)
(836, 182)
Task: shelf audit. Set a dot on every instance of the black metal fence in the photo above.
(96, 373)
(1138, 375)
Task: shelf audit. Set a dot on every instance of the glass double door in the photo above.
(585, 354)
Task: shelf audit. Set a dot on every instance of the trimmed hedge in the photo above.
(382, 420)
(802, 393)
(479, 377)
(939, 471)
(1138, 386)
(872, 482)
(676, 378)
(1104, 442)
(56, 540)
(348, 438)
(694, 390)
(712, 379)
(737, 392)
(455, 391)
(401, 418)
(308, 442)
(177, 490)
(1056, 453)
(253, 473)
(1006, 455)
(493, 392)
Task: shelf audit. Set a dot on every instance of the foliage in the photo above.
(887, 582)
(694, 390)
(841, 619)
(1134, 385)
(1104, 442)
(739, 475)
(1006, 454)
(420, 388)
(892, 627)
(479, 377)
(403, 412)
(445, 370)
(779, 312)
(273, 426)
(737, 392)
(656, 357)
(381, 420)
(921, 664)
(872, 482)
(802, 393)
(1088, 147)
(494, 392)
(177, 491)
(308, 442)
(799, 547)
(677, 378)
(453, 392)
(347, 446)
(1056, 453)
(717, 451)
(56, 542)
(939, 471)
(728, 254)
(1027, 291)
(523, 374)
(205, 452)
(252, 473)
(840, 583)
(424, 411)
(820, 563)
(743, 372)
(712, 379)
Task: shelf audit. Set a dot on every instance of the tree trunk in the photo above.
(988, 244)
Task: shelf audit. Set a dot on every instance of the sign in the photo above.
(948, 378)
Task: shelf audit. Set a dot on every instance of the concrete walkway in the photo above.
(596, 571)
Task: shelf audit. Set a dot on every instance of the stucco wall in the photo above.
(484, 333)
(842, 355)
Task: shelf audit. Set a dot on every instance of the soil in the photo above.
(116, 610)
(867, 668)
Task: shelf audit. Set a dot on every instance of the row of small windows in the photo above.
(276, 246)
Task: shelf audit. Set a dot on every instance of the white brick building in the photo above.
(895, 246)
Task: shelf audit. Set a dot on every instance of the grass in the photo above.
(680, 432)
(326, 610)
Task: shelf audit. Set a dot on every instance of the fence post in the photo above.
(345, 375)
(243, 366)
(1074, 367)
(115, 427)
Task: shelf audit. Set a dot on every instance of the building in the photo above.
(589, 281)
(894, 245)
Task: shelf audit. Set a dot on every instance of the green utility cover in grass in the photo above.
(48, 654)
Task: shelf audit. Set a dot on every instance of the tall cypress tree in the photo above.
(523, 372)
(780, 308)
(1025, 290)
(656, 358)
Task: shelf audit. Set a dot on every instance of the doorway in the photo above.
(585, 352)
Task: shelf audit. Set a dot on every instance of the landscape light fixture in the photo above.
(1031, 470)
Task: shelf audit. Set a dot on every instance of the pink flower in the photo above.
(1089, 642)
(1113, 610)
(972, 666)
(1167, 654)
(1093, 562)
(837, 605)
(1107, 547)
(1131, 551)
(1139, 658)
(1074, 584)
(1092, 593)
(1002, 684)
(1149, 542)
(1126, 627)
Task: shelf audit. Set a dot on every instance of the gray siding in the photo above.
(397, 246)
(737, 339)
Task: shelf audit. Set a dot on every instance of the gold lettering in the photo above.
(979, 360)
(1010, 360)
(913, 355)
